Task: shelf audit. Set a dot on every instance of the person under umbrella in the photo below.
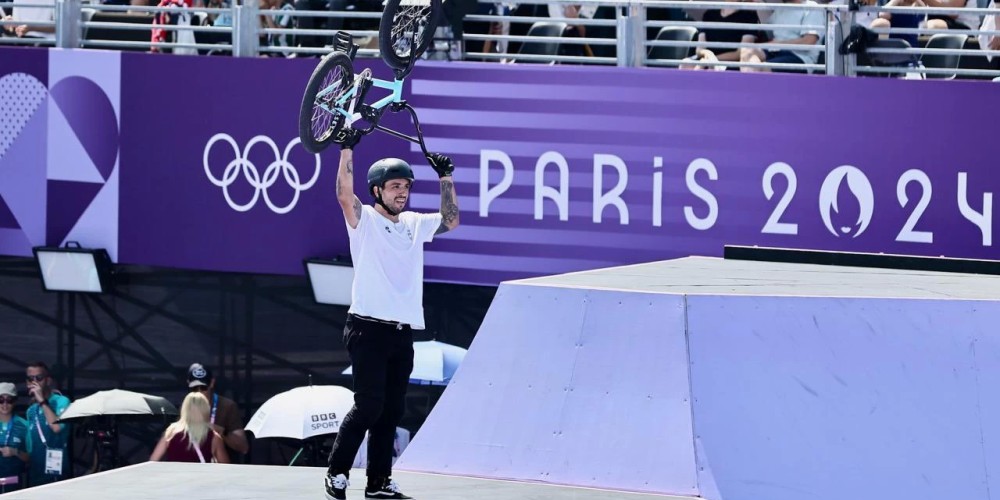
(13, 433)
(191, 438)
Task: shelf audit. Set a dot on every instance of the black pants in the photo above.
(382, 359)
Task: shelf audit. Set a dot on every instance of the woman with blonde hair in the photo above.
(191, 438)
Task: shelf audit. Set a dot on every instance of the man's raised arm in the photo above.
(449, 201)
(345, 180)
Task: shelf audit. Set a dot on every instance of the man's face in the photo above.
(395, 193)
(36, 377)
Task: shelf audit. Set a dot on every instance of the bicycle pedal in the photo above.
(344, 42)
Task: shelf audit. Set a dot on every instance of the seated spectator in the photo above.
(28, 15)
(861, 18)
(741, 35)
(952, 21)
(990, 42)
(889, 20)
(13, 441)
(562, 11)
(318, 23)
(191, 438)
(805, 33)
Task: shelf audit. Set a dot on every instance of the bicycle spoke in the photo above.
(324, 114)
(408, 26)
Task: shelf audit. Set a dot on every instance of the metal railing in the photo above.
(621, 35)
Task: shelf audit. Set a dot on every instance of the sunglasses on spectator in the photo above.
(36, 378)
(6, 400)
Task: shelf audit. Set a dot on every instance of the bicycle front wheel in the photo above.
(406, 30)
(319, 120)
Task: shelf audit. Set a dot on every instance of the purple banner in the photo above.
(559, 168)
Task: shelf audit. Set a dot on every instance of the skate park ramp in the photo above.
(731, 380)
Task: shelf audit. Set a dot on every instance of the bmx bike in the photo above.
(335, 97)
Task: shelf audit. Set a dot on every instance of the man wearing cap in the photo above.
(225, 416)
(13, 433)
(387, 249)
(47, 439)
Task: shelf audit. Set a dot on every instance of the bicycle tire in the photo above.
(395, 51)
(315, 133)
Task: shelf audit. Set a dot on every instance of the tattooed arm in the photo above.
(449, 202)
(345, 189)
(449, 206)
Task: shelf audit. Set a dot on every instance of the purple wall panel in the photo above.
(569, 386)
(657, 164)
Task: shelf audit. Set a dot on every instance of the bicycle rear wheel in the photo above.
(318, 120)
(406, 30)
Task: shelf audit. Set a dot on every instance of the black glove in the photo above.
(347, 138)
(441, 164)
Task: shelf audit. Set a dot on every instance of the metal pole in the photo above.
(637, 33)
(71, 348)
(622, 31)
(245, 29)
(248, 313)
(67, 17)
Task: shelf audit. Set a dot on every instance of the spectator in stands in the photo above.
(29, 12)
(724, 35)
(13, 448)
(567, 12)
(47, 441)
(805, 32)
(192, 437)
(952, 21)
(990, 42)
(861, 18)
(315, 23)
(224, 417)
(887, 20)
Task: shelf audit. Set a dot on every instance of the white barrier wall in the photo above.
(569, 386)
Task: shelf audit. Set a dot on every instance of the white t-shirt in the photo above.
(801, 17)
(28, 15)
(389, 265)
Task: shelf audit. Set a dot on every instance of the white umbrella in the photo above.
(302, 412)
(434, 363)
(118, 402)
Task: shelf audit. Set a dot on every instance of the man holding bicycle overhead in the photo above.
(387, 247)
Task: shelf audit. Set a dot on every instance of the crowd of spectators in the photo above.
(800, 27)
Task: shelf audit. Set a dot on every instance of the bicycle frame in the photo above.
(350, 114)
(373, 112)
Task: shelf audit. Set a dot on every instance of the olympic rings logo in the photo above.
(260, 184)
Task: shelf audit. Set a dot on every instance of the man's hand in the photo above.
(348, 138)
(36, 392)
(21, 30)
(441, 164)
(994, 43)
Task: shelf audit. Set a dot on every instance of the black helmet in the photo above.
(386, 170)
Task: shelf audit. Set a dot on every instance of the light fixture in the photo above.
(74, 269)
(330, 280)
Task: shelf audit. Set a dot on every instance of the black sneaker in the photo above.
(386, 488)
(336, 487)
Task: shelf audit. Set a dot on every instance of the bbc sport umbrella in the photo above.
(302, 412)
(434, 363)
(118, 402)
